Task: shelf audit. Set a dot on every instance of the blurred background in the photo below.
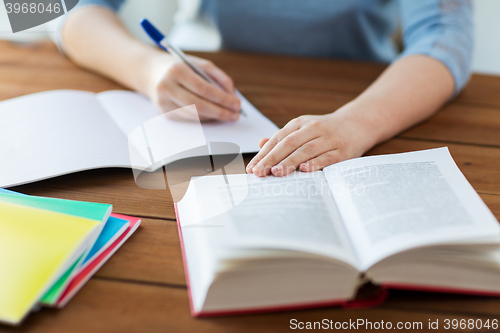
(192, 37)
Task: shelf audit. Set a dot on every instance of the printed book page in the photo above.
(294, 213)
(391, 203)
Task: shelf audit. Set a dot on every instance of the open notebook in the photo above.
(58, 132)
(406, 220)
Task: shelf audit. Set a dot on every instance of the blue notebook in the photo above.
(2, 190)
(113, 229)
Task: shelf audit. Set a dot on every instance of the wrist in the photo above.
(364, 124)
(153, 65)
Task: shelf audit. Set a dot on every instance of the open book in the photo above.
(53, 133)
(406, 220)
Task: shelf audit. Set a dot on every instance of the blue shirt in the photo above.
(349, 29)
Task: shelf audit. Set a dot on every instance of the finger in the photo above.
(321, 161)
(304, 153)
(267, 147)
(215, 73)
(167, 106)
(187, 78)
(284, 148)
(183, 97)
(262, 142)
(272, 142)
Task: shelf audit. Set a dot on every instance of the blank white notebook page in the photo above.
(129, 110)
(56, 132)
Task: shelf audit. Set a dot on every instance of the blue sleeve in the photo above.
(442, 29)
(112, 4)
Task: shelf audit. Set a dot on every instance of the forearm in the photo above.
(408, 92)
(95, 39)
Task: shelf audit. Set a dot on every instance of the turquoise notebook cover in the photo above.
(89, 210)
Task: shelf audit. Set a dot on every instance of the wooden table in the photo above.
(143, 289)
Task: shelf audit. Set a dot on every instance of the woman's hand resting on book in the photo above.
(174, 85)
(311, 143)
(401, 97)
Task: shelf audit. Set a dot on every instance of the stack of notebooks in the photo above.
(49, 248)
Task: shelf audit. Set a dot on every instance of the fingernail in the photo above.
(276, 170)
(257, 168)
(306, 167)
(235, 117)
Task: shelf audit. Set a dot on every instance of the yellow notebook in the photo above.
(36, 247)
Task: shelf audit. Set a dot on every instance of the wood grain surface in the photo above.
(143, 289)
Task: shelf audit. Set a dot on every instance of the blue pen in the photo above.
(162, 42)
